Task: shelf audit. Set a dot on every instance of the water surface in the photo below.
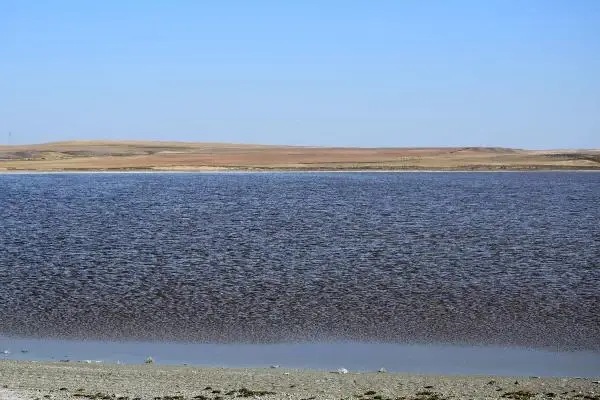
(356, 357)
(496, 259)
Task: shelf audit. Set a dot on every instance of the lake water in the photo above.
(426, 260)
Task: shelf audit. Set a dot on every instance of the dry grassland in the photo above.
(166, 156)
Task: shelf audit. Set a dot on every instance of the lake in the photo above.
(499, 260)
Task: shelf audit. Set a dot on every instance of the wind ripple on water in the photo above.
(463, 258)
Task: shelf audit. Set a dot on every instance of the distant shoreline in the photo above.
(117, 156)
(283, 171)
(286, 171)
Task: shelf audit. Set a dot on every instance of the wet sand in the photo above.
(75, 380)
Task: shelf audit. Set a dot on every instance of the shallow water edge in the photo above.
(427, 359)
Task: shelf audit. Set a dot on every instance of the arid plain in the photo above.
(188, 156)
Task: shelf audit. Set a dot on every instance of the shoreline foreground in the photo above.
(33, 380)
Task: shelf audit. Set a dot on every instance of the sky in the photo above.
(511, 73)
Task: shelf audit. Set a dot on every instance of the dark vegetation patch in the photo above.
(83, 153)
(575, 156)
(244, 392)
(519, 395)
(428, 395)
(422, 395)
(96, 396)
(587, 396)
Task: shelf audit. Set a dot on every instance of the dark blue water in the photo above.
(478, 258)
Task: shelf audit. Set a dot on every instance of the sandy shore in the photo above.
(56, 381)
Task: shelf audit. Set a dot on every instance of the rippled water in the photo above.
(480, 258)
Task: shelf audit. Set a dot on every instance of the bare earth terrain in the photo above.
(181, 156)
(23, 380)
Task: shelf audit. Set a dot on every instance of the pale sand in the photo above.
(57, 381)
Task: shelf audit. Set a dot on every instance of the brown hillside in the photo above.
(142, 155)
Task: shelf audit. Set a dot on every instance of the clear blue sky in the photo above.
(518, 73)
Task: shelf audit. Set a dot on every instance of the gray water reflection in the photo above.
(418, 359)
